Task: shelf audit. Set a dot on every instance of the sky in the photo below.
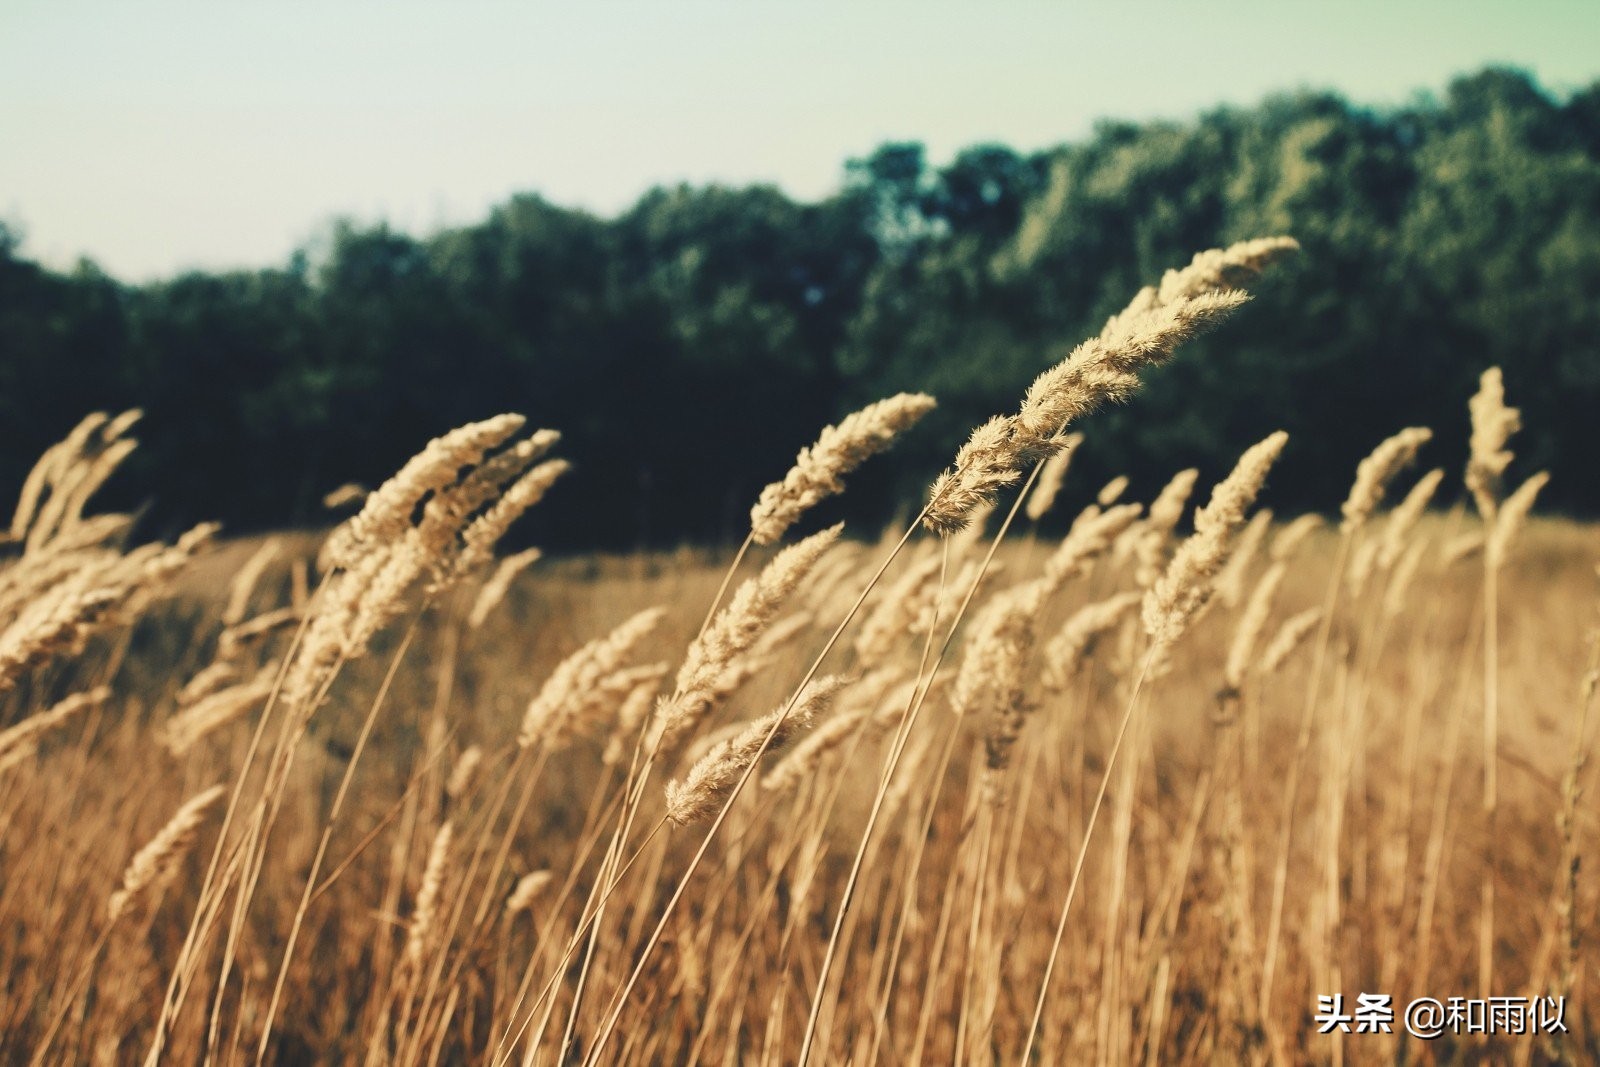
(160, 136)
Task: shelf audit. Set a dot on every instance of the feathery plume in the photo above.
(1294, 630)
(1401, 577)
(819, 470)
(427, 906)
(1051, 474)
(234, 639)
(1186, 586)
(462, 774)
(244, 582)
(1231, 580)
(386, 515)
(158, 860)
(1513, 513)
(1100, 370)
(495, 589)
(527, 889)
(1064, 652)
(716, 652)
(210, 713)
(1493, 423)
(1288, 539)
(1251, 623)
(1112, 491)
(1091, 535)
(1155, 533)
(1460, 547)
(21, 739)
(897, 610)
(1374, 473)
(585, 684)
(702, 792)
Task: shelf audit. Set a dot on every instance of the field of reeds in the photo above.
(963, 791)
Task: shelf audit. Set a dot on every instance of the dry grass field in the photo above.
(964, 792)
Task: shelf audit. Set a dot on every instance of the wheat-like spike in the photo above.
(1231, 580)
(702, 792)
(1374, 474)
(234, 639)
(1187, 584)
(633, 711)
(1090, 537)
(1512, 514)
(212, 678)
(1493, 423)
(121, 424)
(1155, 533)
(61, 620)
(1363, 561)
(527, 889)
(575, 690)
(1105, 368)
(25, 734)
(713, 655)
(1100, 370)
(990, 680)
(1052, 472)
(1064, 652)
(1251, 624)
(901, 604)
(984, 465)
(804, 760)
(207, 715)
(48, 471)
(863, 712)
(1401, 577)
(990, 677)
(486, 531)
(159, 859)
(244, 582)
(819, 470)
(386, 515)
(462, 774)
(94, 531)
(1112, 491)
(1294, 630)
(495, 589)
(95, 474)
(1461, 546)
(1405, 516)
(420, 930)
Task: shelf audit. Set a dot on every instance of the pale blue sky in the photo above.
(154, 136)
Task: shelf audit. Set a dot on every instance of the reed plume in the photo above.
(1493, 423)
(1051, 474)
(716, 653)
(495, 589)
(1374, 474)
(1187, 584)
(158, 860)
(819, 470)
(701, 792)
(1100, 370)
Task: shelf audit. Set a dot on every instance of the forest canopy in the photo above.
(687, 347)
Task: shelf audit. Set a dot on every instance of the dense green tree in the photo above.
(687, 347)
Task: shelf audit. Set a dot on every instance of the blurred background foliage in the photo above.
(688, 347)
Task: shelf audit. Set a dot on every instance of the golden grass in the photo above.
(531, 815)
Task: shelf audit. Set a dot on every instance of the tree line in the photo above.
(687, 347)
